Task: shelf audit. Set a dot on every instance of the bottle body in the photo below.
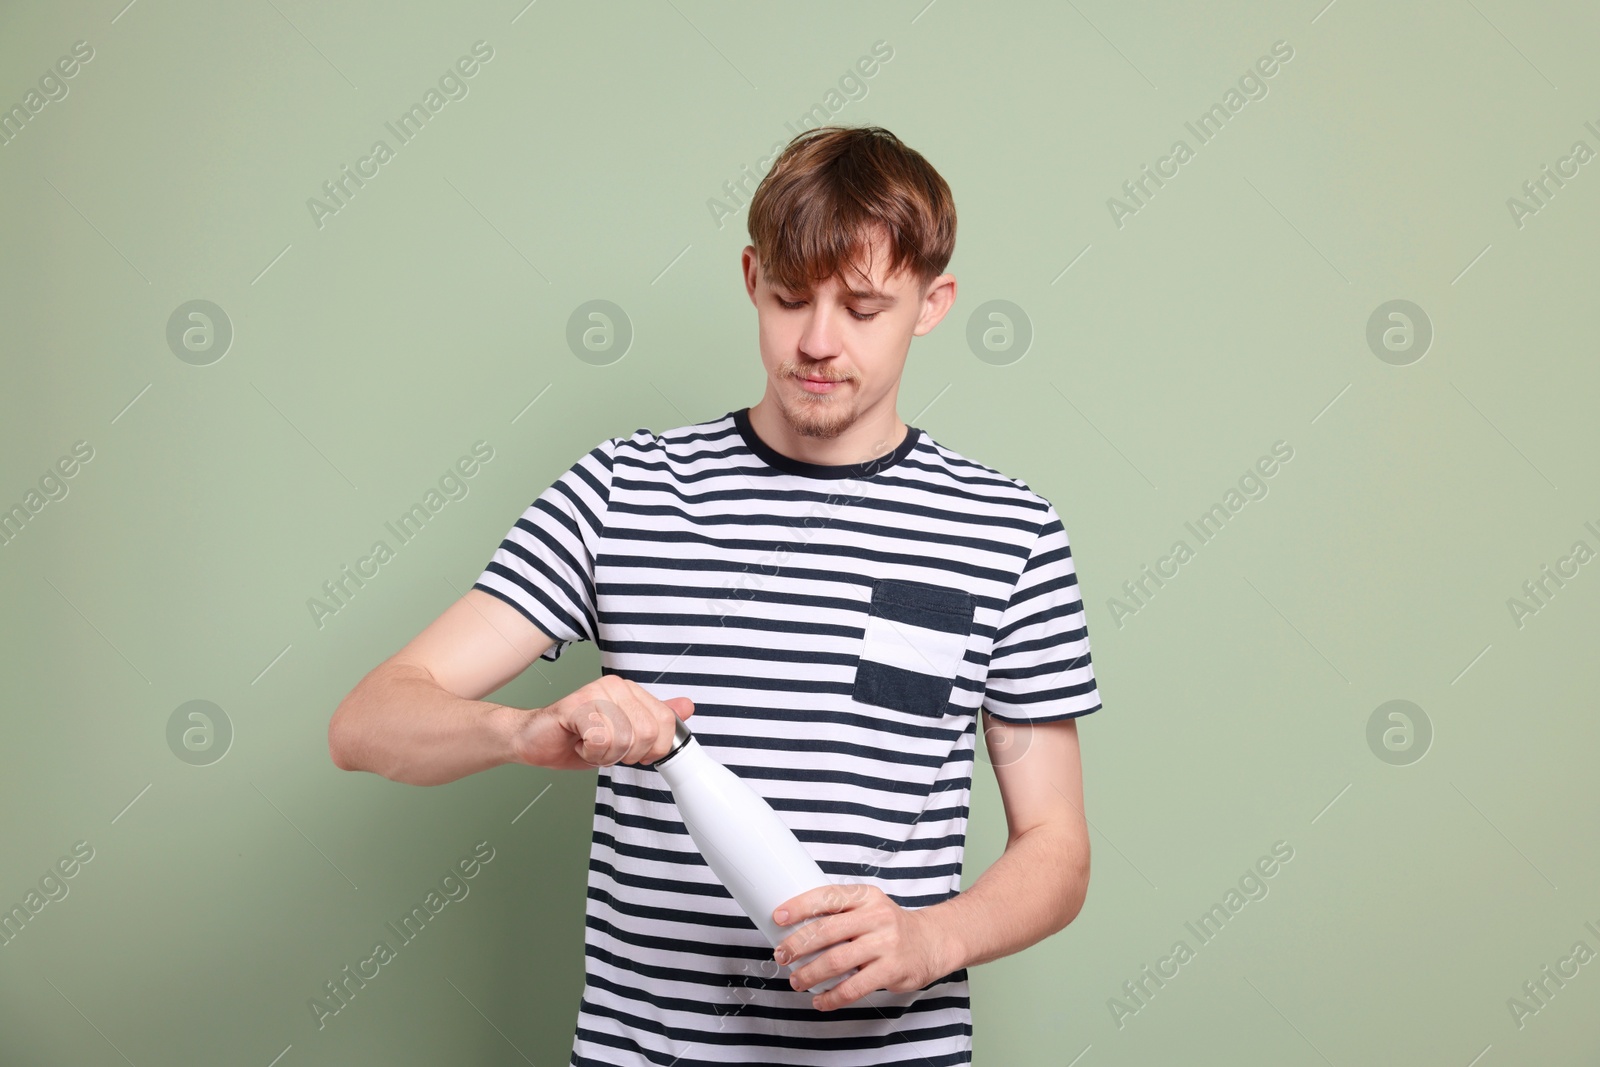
(750, 850)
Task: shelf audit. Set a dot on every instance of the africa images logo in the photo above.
(452, 86)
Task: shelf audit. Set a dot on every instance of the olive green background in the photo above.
(1168, 353)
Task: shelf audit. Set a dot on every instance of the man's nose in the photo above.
(820, 338)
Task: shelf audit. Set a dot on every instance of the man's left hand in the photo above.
(895, 948)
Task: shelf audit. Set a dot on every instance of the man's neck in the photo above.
(873, 435)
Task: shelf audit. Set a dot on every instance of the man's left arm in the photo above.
(1035, 888)
(1038, 884)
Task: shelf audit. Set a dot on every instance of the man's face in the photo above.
(836, 353)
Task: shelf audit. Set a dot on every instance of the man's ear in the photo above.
(936, 302)
(751, 267)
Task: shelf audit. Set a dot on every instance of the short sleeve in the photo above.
(1040, 670)
(545, 566)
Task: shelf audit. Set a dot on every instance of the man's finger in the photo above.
(796, 907)
(652, 721)
(846, 992)
(604, 730)
(669, 731)
(823, 900)
(822, 932)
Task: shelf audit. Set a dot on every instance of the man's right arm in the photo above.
(418, 717)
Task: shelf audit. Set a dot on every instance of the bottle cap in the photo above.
(681, 737)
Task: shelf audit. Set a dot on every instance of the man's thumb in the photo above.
(682, 705)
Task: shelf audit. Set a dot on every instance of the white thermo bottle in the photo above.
(757, 857)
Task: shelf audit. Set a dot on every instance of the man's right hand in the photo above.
(610, 720)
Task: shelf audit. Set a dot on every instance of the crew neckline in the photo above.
(789, 465)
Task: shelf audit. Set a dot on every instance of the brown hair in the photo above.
(830, 188)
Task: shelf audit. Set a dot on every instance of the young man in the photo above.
(835, 598)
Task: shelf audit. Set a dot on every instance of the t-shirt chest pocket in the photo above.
(916, 637)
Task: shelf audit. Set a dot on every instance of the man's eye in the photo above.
(795, 305)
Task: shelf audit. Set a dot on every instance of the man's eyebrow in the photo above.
(888, 299)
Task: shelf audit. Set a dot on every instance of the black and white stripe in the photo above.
(838, 628)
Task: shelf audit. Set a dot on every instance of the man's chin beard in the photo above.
(823, 418)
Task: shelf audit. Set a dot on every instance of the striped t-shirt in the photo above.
(837, 627)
